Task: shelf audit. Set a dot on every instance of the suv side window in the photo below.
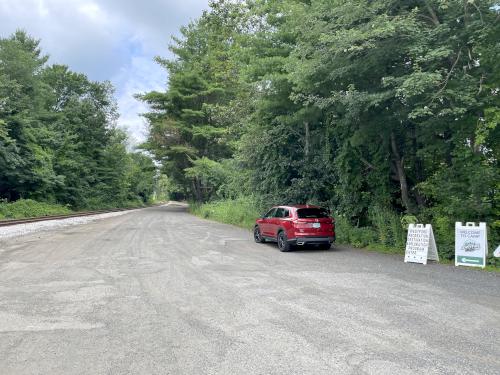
(270, 213)
(280, 212)
(286, 212)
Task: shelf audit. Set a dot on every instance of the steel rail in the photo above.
(9, 222)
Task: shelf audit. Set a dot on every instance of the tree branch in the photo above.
(480, 13)
(426, 17)
(445, 83)
(434, 17)
(366, 162)
(481, 84)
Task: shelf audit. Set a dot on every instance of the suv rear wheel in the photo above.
(325, 246)
(283, 244)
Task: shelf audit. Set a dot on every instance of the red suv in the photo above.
(296, 225)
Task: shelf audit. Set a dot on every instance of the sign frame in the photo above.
(496, 253)
(420, 244)
(471, 244)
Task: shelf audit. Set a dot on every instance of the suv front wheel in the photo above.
(283, 244)
(257, 236)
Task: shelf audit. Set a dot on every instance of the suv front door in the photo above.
(267, 223)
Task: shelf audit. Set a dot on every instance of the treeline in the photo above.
(379, 109)
(58, 139)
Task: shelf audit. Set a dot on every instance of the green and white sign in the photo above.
(471, 245)
(420, 244)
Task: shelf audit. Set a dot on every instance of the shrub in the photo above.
(356, 236)
(29, 208)
(406, 220)
(388, 227)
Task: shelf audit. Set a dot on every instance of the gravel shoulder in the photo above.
(41, 226)
(158, 291)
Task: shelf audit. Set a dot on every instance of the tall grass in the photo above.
(29, 208)
(348, 234)
(388, 227)
(24, 208)
(241, 211)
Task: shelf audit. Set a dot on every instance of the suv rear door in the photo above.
(276, 222)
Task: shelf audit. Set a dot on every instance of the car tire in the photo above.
(283, 244)
(257, 236)
(325, 246)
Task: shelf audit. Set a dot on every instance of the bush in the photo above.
(385, 233)
(29, 208)
(351, 235)
(389, 228)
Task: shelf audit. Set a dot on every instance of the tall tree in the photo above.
(184, 123)
(58, 138)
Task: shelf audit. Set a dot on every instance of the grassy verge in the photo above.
(386, 235)
(25, 208)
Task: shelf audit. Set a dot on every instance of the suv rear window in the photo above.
(311, 213)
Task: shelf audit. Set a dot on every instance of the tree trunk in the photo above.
(306, 145)
(197, 190)
(398, 161)
(418, 167)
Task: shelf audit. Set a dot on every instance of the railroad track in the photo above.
(8, 222)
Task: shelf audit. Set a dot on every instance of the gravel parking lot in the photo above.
(158, 291)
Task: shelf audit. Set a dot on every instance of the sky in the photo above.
(113, 40)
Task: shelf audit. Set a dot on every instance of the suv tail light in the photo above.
(301, 225)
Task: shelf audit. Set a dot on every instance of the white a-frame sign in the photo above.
(420, 244)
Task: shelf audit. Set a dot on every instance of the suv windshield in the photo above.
(311, 213)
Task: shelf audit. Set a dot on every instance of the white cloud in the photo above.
(112, 40)
(141, 76)
(92, 11)
(42, 9)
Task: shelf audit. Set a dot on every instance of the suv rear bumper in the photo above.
(311, 240)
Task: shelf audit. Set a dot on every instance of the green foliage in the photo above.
(241, 212)
(357, 105)
(187, 130)
(385, 231)
(389, 229)
(166, 189)
(444, 232)
(406, 220)
(208, 175)
(29, 208)
(58, 141)
(355, 236)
